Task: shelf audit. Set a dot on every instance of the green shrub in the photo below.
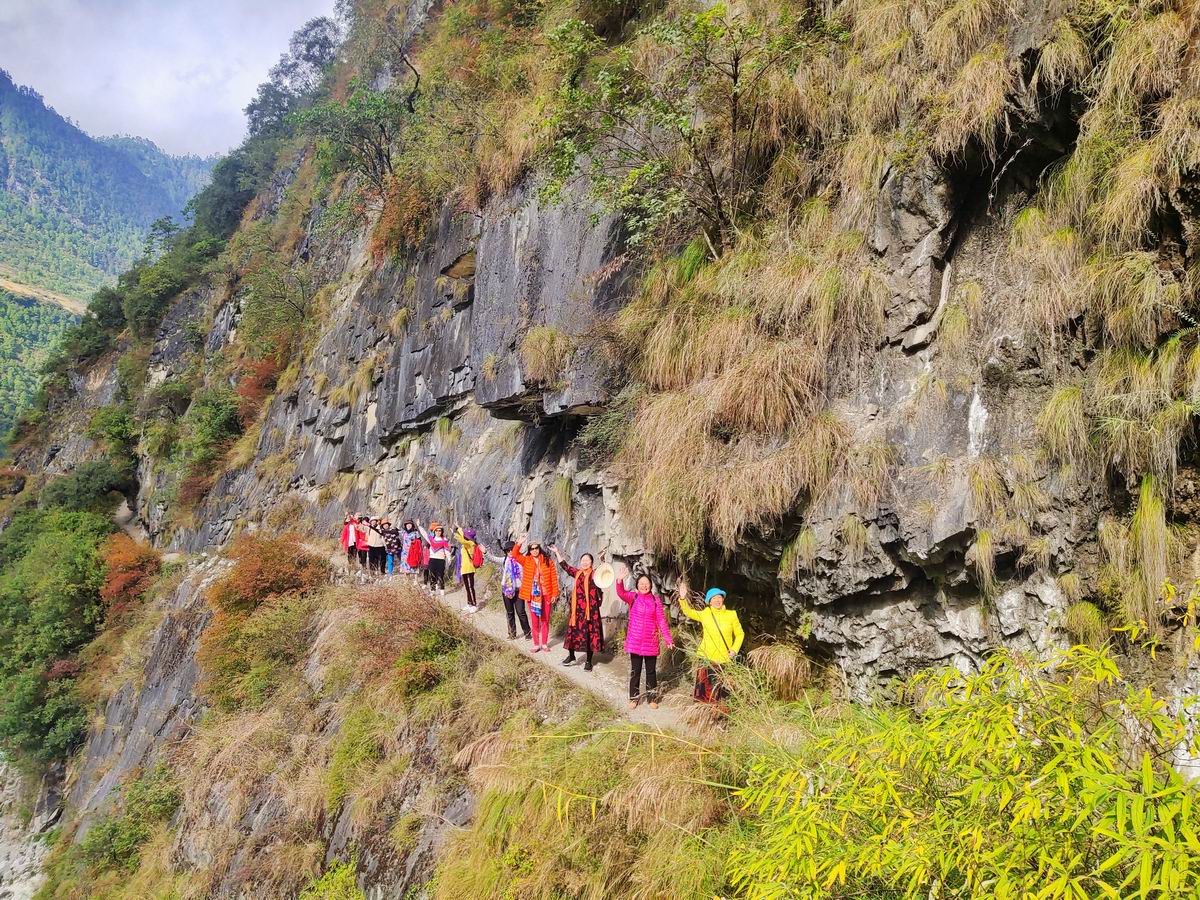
(603, 435)
(357, 749)
(338, 883)
(91, 487)
(245, 657)
(114, 842)
(113, 427)
(208, 427)
(50, 578)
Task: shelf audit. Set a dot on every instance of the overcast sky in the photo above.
(176, 71)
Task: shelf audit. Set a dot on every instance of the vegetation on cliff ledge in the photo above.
(384, 712)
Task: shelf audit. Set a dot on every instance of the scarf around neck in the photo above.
(586, 575)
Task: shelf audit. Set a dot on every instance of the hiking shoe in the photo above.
(570, 661)
(587, 667)
(512, 635)
(527, 636)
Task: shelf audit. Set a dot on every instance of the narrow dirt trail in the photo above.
(608, 680)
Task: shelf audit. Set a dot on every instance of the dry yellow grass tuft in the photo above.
(976, 105)
(786, 667)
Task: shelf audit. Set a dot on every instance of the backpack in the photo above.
(477, 556)
(510, 581)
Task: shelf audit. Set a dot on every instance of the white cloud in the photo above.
(176, 71)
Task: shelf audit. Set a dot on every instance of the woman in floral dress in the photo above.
(585, 630)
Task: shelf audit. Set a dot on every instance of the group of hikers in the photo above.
(530, 586)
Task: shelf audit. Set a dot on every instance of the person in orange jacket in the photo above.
(539, 588)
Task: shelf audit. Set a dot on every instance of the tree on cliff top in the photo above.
(676, 123)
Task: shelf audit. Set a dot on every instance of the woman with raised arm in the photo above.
(539, 588)
(362, 529)
(585, 630)
(439, 555)
(510, 590)
(469, 562)
(647, 622)
(721, 642)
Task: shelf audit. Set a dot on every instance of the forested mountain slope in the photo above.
(74, 210)
(29, 331)
(879, 316)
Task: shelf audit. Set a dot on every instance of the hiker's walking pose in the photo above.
(539, 589)
(510, 590)
(647, 622)
(721, 643)
(470, 560)
(585, 630)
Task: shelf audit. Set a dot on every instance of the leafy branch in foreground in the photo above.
(1048, 780)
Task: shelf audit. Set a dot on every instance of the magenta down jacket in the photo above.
(647, 620)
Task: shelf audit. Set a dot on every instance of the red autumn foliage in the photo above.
(63, 668)
(256, 384)
(130, 569)
(193, 488)
(407, 210)
(266, 567)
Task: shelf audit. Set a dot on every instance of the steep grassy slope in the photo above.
(351, 740)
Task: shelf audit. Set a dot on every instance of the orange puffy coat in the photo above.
(542, 568)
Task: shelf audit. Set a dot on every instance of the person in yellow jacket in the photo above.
(469, 560)
(720, 644)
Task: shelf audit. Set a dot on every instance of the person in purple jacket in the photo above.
(647, 622)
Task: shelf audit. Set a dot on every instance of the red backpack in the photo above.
(477, 556)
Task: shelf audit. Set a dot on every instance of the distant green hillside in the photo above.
(28, 329)
(74, 210)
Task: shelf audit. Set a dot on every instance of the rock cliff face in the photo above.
(21, 846)
(444, 422)
(416, 399)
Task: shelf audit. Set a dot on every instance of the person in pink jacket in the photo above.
(647, 622)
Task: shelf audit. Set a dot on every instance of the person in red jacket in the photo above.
(361, 531)
(539, 588)
(349, 540)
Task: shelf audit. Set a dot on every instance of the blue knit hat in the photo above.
(713, 592)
